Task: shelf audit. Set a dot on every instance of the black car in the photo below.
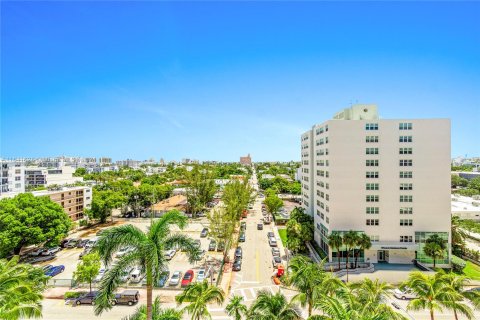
(260, 226)
(129, 297)
(204, 233)
(237, 265)
(88, 298)
(238, 252)
(242, 237)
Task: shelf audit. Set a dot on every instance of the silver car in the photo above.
(175, 279)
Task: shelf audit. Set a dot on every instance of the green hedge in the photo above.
(458, 264)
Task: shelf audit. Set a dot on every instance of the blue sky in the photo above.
(216, 80)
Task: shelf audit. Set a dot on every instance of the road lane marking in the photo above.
(258, 266)
(254, 295)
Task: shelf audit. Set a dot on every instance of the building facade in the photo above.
(12, 176)
(73, 200)
(36, 177)
(389, 179)
(247, 160)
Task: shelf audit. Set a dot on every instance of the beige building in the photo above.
(35, 176)
(74, 200)
(389, 179)
(246, 160)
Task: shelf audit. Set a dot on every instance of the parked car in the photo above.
(163, 279)
(64, 242)
(136, 276)
(242, 237)
(237, 265)
(72, 243)
(187, 278)
(92, 242)
(275, 252)
(407, 293)
(50, 251)
(201, 255)
(272, 242)
(212, 245)
(84, 252)
(201, 275)
(82, 243)
(88, 298)
(53, 271)
(175, 279)
(260, 226)
(36, 252)
(170, 254)
(45, 268)
(238, 252)
(125, 275)
(276, 261)
(270, 235)
(221, 246)
(123, 251)
(100, 275)
(204, 233)
(243, 226)
(129, 297)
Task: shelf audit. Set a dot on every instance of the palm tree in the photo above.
(21, 287)
(148, 254)
(350, 241)
(157, 312)
(335, 241)
(274, 307)
(432, 292)
(433, 250)
(310, 279)
(363, 243)
(235, 308)
(199, 295)
(457, 283)
(458, 235)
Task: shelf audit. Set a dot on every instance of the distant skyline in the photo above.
(219, 80)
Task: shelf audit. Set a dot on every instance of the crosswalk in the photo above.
(250, 293)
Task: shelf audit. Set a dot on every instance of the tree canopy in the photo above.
(29, 220)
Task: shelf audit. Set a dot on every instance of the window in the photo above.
(322, 194)
(372, 174)
(371, 139)
(318, 226)
(326, 152)
(18, 185)
(371, 198)
(327, 197)
(371, 163)
(328, 220)
(406, 198)
(374, 238)
(371, 126)
(327, 186)
(406, 222)
(405, 174)
(406, 210)
(326, 139)
(405, 151)
(372, 222)
(371, 151)
(373, 210)
(372, 186)
(406, 186)
(406, 239)
(326, 128)
(18, 178)
(327, 174)
(322, 216)
(405, 126)
(405, 139)
(326, 163)
(17, 171)
(406, 163)
(327, 209)
(318, 212)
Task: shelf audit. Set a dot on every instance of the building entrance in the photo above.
(382, 255)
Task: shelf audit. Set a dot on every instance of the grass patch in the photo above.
(283, 236)
(318, 249)
(472, 271)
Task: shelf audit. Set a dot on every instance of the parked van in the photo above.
(136, 276)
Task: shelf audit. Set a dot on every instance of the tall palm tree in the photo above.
(235, 308)
(21, 287)
(157, 312)
(363, 243)
(433, 250)
(335, 241)
(199, 295)
(148, 254)
(310, 279)
(458, 235)
(432, 291)
(350, 239)
(457, 284)
(274, 307)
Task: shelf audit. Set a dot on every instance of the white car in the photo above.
(200, 275)
(136, 276)
(126, 274)
(36, 252)
(407, 294)
(50, 251)
(123, 251)
(99, 277)
(272, 242)
(175, 279)
(92, 242)
(170, 254)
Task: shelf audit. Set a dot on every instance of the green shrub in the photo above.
(73, 294)
(458, 264)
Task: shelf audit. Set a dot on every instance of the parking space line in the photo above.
(258, 266)
(254, 295)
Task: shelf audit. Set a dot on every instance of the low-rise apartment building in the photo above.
(12, 175)
(389, 179)
(74, 200)
(36, 177)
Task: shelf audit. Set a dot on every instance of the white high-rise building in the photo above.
(12, 175)
(389, 179)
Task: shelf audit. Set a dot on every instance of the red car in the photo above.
(187, 278)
